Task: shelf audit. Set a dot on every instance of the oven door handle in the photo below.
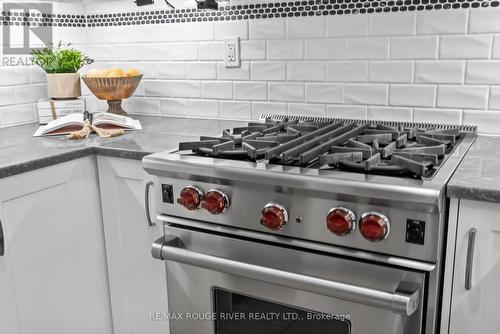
(405, 300)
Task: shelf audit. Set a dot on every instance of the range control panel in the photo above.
(353, 224)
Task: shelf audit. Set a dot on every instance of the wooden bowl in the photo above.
(113, 90)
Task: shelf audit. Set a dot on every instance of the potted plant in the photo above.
(61, 63)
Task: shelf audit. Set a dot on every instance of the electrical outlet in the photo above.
(232, 52)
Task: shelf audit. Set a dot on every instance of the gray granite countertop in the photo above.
(478, 175)
(20, 152)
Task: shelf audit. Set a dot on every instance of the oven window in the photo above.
(240, 314)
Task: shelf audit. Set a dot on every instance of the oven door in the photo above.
(225, 284)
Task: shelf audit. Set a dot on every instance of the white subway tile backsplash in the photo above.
(197, 31)
(285, 49)
(233, 73)
(253, 50)
(172, 88)
(442, 21)
(267, 29)
(16, 114)
(201, 70)
(177, 51)
(346, 71)
(496, 47)
(30, 93)
(390, 114)
(14, 75)
(495, 98)
(175, 107)
(439, 72)
(392, 24)
(306, 27)
(286, 91)
(367, 48)
(37, 74)
(230, 29)
(211, 51)
(412, 95)
(306, 70)
(203, 108)
(7, 96)
(217, 90)
(272, 108)
(464, 47)
(473, 97)
(444, 116)
(139, 105)
(484, 20)
(346, 25)
(235, 109)
(250, 91)
(324, 93)
(300, 109)
(390, 71)
(345, 111)
(488, 122)
(169, 70)
(268, 70)
(375, 94)
(325, 49)
(368, 60)
(414, 47)
(483, 72)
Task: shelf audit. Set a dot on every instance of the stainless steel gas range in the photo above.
(307, 225)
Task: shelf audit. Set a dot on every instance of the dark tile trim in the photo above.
(242, 12)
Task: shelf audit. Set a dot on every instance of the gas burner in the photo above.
(369, 147)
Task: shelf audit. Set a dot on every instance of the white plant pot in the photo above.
(64, 85)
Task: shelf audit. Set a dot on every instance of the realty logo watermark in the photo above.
(25, 27)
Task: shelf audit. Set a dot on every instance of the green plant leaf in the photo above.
(60, 59)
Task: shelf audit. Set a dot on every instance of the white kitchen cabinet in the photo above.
(137, 281)
(474, 306)
(53, 277)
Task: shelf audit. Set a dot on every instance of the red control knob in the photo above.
(274, 216)
(340, 221)
(374, 226)
(190, 197)
(215, 202)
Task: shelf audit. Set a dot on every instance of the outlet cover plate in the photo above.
(232, 52)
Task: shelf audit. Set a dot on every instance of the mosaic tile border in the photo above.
(281, 9)
(241, 12)
(45, 20)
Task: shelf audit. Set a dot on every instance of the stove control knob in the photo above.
(215, 202)
(341, 221)
(374, 226)
(190, 197)
(274, 217)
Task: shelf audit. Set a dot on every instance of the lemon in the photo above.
(132, 72)
(94, 73)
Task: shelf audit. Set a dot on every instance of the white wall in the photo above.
(426, 66)
(22, 86)
(430, 66)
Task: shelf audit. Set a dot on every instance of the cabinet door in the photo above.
(474, 308)
(137, 281)
(54, 251)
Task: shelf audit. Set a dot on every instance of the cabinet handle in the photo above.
(470, 258)
(146, 201)
(2, 240)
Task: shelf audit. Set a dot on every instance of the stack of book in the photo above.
(49, 110)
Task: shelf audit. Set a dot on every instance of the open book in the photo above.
(74, 122)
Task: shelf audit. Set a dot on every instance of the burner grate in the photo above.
(372, 147)
(435, 126)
